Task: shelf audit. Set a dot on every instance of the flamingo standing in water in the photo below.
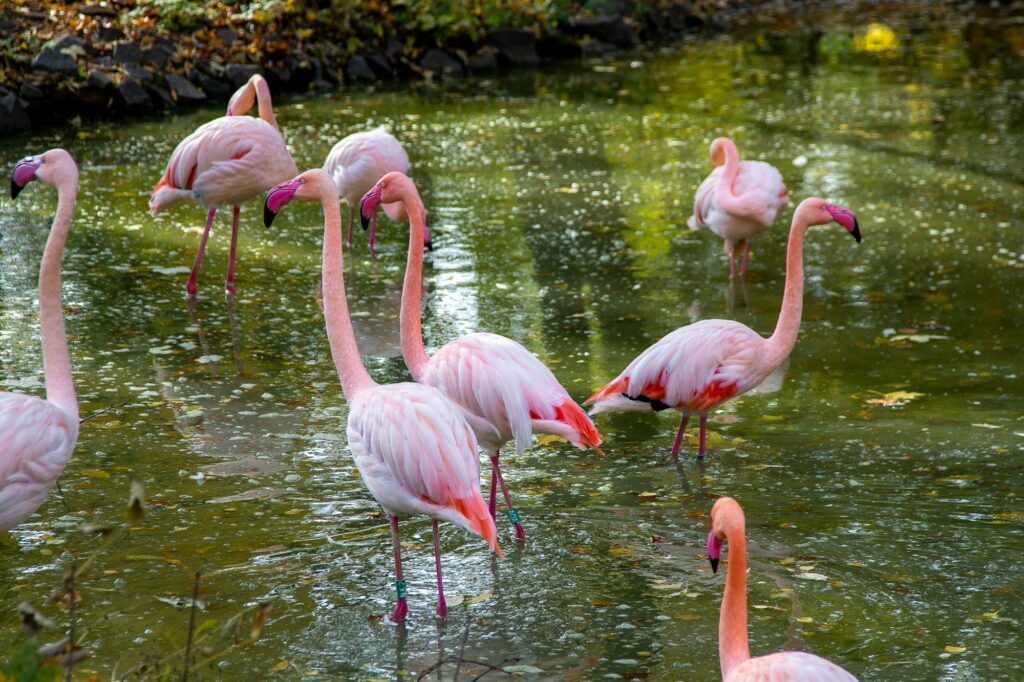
(507, 392)
(359, 161)
(38, 436)
(227, 161)
(414, 450)
(738, 200)
(727, 523)
(702, 365)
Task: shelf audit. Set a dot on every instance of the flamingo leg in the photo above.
(229, 283)
(746, 252)
(513, 513)
(190, 286)
(442, 606)
(351, 221)
(401, 607)
(703, 437)
(732, 263)
(492, 504)
(679, 437)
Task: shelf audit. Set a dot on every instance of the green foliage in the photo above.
(25, 666)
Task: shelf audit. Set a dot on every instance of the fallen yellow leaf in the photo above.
(895, 399)
(281, 665)
(805, 619)
(956, 649)
(477, 598)
(95, 473)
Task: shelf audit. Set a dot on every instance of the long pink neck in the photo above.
(416, 358)
(265, 104)
(340, 335)
(781, 342)
(733, 645)
(725, 197)
(60, 388)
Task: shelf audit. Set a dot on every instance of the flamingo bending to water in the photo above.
(414, 450)
(738, 200)
(38, 436)
(227, 161)
(357, 163)
(506, 390)
(702, 365)
(727, 523)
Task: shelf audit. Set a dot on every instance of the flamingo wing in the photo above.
(789, 666)
(417, 455)
(764, 193)
(691, 369)
(36, 441)
(358, 161)
(499, 381)
(704, 200)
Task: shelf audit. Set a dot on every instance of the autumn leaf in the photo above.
(955, 649)
(895, 399)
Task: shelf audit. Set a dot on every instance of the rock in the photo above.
(126, 52)
(182, 90)
(29, 91)
(64, 42)
(13, 118)
(358, 70)
(682, 16)
(381, 67)
(160, 97)
(157, 56)
(133, 96)
(440, 62)
(516, 46)
(320, 85)
(556, 46)
(607, 28)
(239, 74)
(483, 60)
(99, 80)
(97, 11)
(226, 35)
(105, 34)
(394, 50)
(302, 70)
(138, 72)
(53, 56)
(279, 77)
(597, 48)
(212, 84)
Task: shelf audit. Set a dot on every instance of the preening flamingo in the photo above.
(738, 200)
(255, 90)
(227, 161)
(413, 447)
(700, 366)
(38, 436)
(727, 523)
(359, 161)
(508, 393)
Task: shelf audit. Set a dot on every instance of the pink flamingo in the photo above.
(700, 366)
(727, 523)
(738, 200)
(413, 447)
(38, 436)
(359, 161)
(255, 90)
(227, 161)
(506, 391)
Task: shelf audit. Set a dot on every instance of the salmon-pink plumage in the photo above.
(413, 447)
(700, 366)
(38, 436)
(225, 162)
(738, 200)
(728, 524)
(507, 393)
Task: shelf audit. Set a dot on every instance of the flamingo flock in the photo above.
(416, 443)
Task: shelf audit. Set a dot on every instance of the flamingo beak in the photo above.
(277, 197)
(369, 203)
(846, 218)
(24, 172)
(714, 547)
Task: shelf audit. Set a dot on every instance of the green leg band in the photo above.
(401, 589)
(514, 516)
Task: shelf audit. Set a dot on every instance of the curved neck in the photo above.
(60, 388)
(340, 335)
(733, 645)
(264, 103)
(782, 340)
(724, 195)
(416, 358)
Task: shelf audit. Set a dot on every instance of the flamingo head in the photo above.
(714, 550)
(820, 212)
(51, 167)
(726, 519)
(306, 186)
(391, 188)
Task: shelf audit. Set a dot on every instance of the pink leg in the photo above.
(190, 286)
(442, 606)
(229, 283)
(513, 513)
(401, 607)
(703, 436)
(373, 229)
(351, 221)
(746, 252)
(492, 506)
(679, 437)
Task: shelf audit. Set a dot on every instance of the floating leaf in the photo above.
(955, 649)
(895, 399)
(812, 576)
(805, 619)
(648, 496)
(95, 473)
(279, 666)
(528, 669)
(621, 551)
(667, 586)
(477, 598)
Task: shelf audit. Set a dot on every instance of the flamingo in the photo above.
(700, 366)
(359, 161)
(727, 523)
(255, 90)
(738, 200)
(505, 389)
(38, 436)
(413, 447)
(227, 161)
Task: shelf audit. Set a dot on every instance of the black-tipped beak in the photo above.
(364, 220)
(714, 564)
(429, 244)
(15, 189)
(268, 216)
(856, 231)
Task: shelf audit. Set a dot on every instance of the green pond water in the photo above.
(879, 535)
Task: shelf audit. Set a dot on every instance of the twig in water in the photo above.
(191, 628)
(103, 411)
